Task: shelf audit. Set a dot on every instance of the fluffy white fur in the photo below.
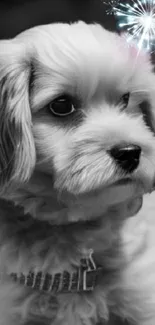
(60, 172)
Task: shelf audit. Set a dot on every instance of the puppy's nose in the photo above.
(127, 157)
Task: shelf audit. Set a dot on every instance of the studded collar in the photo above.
(83, 279)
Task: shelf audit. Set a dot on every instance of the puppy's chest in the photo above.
(38, 246)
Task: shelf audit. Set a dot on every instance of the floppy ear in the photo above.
(17, 150)
(147, 105)
(142, 62)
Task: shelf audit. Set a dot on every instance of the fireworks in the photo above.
(111, 4)
(137, 18)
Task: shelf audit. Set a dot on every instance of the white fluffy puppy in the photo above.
(77, 154)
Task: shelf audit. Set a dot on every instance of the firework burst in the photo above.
(137, 18)
(111, 5)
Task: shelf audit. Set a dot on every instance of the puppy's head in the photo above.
(77, 103)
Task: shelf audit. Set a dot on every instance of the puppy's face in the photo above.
(80, 108)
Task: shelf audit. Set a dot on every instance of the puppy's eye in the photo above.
(125, 100)
(62, 106)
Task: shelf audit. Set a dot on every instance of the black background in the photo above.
(18, 15)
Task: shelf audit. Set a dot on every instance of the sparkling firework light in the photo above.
(137, 18)
(111, 5)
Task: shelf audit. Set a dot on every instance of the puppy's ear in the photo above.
(147, 105)
(17, 150)
(148, 110)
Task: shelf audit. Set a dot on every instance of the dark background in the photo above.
(18, 15)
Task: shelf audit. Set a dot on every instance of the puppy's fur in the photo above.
(59, 170)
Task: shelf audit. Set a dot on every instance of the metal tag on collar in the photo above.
(91, 269)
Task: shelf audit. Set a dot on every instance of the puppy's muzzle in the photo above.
(127, 157)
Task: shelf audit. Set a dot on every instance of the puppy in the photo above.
(77, 161)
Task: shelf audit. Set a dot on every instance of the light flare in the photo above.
(137, 19)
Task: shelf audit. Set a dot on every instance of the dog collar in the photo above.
(84, 279)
